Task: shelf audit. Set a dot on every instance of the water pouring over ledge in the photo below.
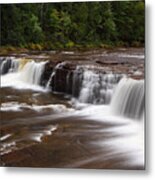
(99, 93)
(21, 73)
(128, 98)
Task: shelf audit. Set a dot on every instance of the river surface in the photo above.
(41, 128)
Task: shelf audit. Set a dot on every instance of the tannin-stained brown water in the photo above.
(40, 128)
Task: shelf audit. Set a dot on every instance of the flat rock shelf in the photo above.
(73, 109)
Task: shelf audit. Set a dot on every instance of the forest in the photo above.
(72, 85)
(73, 25)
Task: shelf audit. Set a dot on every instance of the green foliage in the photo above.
(68, 25)
(35, 46)
(70, 44)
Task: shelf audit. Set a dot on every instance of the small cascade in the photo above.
(128, 98)
(14, 65)
(48, 85)
(77, 81)
(58, 66)
(32, 71)
(97, 87)
(5, 65)
(24, 70)
(89, 84)
(8, 64)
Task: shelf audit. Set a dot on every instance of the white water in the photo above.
(39, 135)
(127, 102)
(16, 107)
(5, 137)
(128, 98)
(127, 134)
(98, 88)
(8, 64)
(22, 73)
(132, 56)
(32, 71)
(126, 107)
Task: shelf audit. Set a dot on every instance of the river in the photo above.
(95, 121)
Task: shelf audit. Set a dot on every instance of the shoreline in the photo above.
(5, 51)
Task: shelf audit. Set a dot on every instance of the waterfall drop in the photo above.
(88, 84)
(32, 71)
(96, 87)
(128, 98)
(8, 64)
(18, 71)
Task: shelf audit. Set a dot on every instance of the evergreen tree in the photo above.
(60, 25)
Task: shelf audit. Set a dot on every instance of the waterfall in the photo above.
(89, 84)
(77, 81)
(8, 64)
(24, 70)
(97, 87)
(32, 71)
(58, 66)
(128, 98)
(5, 65)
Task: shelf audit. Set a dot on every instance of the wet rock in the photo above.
(67, 75)
(5, 64)
(109, 62)
(61, 81)
(67, 79)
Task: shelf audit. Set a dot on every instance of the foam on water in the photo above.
(138, 56)
(38, 136)
(127, 134)
(128, 140)
(8, 147)
(15, 106)
(124, 112)
(14, 80)
(5, 137)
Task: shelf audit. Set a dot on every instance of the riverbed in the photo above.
(50, 126)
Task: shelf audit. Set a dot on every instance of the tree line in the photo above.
(73, 24)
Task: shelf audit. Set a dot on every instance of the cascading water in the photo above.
(114, 130)
(77, 81)
(128, 98)
(86, 83)
(8, 64)
(32, 71)
(97, 88)
(21, 70)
